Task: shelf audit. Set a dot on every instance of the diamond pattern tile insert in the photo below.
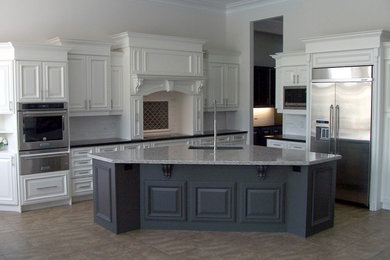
(156, 115)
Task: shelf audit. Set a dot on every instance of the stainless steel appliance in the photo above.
(341, 124)
(294, 97)
(32, 162)
(42, 126)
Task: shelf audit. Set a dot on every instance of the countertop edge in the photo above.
(156, 140)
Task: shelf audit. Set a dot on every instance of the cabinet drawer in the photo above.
(81, 162)
(238, 138)
(107, 149)
(130, 147)
(82, 186)
(276, 144)
(81, 152)
(76, 173)
(296, 146)
(223, 139)
(207, 141)
(41, 187)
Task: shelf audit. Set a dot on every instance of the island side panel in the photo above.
(310, 199)
(213, 197)
(116, 196)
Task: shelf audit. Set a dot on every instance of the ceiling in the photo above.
(217, 5)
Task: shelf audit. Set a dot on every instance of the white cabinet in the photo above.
(44, 187)
(291, 70)
(222, 85)
(294, 76)
(89, 83)
(81, 171)
(41, 81)
(8, 180)
(286, 144)
(116, 82)
(6, 87)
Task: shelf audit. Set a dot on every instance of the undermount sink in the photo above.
(218, 147)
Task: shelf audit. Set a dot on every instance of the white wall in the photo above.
(39, 20)
(301, 19)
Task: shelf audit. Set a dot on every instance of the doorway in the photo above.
(267, 39)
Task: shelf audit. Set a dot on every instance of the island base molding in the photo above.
(297, 200)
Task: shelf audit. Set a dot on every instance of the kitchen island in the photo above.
(249, 188)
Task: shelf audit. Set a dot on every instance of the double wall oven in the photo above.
(43, 137)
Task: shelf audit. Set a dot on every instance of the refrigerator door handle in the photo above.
(331, 112)
(337, 129)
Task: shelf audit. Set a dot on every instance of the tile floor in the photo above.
(68, 232)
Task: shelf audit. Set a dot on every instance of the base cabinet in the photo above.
(8, 180)
(44, 187)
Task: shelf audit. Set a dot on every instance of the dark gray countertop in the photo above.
(109, 141)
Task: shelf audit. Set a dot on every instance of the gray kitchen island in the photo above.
(249, 188)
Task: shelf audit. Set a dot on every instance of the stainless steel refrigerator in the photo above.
(341, 124)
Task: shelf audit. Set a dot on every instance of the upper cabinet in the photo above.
(6, 87)
(35, 73)
(222, 81)
(294, 76)
(41, 81)
(291, 70)
(90, 85)
(116, 81)
(263, 86)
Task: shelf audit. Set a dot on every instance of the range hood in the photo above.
(155, 63)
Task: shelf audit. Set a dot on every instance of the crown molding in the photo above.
(196, 4)
(243, 5)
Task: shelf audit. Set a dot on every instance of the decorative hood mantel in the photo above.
(144, 84)
(155, 63)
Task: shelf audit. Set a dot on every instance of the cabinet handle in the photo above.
(83, 173)
(47, 187)
(89, 104)
(85, 186)
(297, 79)
(112, 104)
(10, 106)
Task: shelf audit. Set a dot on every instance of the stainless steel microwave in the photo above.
(294, 97)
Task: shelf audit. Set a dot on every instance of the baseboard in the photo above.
(10, 208)
(82, 198)
(46, 205)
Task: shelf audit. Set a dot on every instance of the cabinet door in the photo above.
(296, 146)
(136, 110)
(276, 144)
(77, 83)
(97, 81)
(6, 86)
(288, 76)
(301, 75)
(54, 81)
(29, 80)
(116, 87)
(8, 193)
(215, 84)
(230, 91)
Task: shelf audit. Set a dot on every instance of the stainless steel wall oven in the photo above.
(42, 126)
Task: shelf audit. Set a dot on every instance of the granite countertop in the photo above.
(249, 155)
(294, 138)
(112, 141)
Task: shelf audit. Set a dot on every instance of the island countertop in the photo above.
(248, 155)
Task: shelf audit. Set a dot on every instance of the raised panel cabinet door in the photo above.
(6, 86)
(301, 75)
(136, 117)
(215, 84)
(54, 81)
(231, 85)
(288, 76)
(116, 87)
(77, 83)
(98, 78)
(29, 80)
(8, 180)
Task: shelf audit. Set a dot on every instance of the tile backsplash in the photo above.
(294, 124)
(94, 127)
